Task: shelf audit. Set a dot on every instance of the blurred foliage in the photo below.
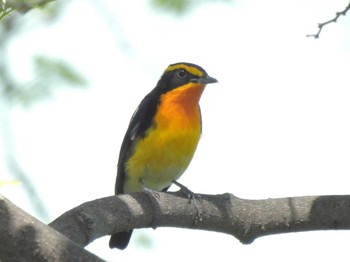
(56, 70)
(144, 240)
(176, 6)
(180, 7)
(49, 74)
(5, 9)
(21, 6)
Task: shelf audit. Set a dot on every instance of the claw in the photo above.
(191, 198)
(188, 193)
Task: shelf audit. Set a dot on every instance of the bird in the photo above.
(162, 136)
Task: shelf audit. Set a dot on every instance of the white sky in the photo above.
(276, 125)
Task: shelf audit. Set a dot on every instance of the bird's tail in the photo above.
(120, 240)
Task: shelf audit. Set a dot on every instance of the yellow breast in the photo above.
(168, 146)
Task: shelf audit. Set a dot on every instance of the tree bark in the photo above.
(244, 219)
(23, 238)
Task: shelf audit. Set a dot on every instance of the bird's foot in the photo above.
(192, 197)
(188, 193)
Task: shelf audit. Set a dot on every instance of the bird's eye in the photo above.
(182, 73)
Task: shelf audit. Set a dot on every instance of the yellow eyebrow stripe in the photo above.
(191, 69)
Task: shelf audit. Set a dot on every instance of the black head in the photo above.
(180, 74)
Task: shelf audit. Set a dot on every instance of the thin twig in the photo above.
(334, 20)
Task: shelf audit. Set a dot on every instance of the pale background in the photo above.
(276, 125)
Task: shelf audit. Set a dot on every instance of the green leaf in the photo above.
(57, 70)
(176, 6)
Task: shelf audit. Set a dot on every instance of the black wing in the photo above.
(140, 122)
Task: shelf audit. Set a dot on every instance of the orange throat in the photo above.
(179, 108)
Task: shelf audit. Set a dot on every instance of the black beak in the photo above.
(205, 80)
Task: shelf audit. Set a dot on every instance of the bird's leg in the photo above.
(188, 193)
(148, 190)
(191, 199)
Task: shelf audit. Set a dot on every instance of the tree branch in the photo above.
(334, 20)
(244, 219)
(24, 238)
